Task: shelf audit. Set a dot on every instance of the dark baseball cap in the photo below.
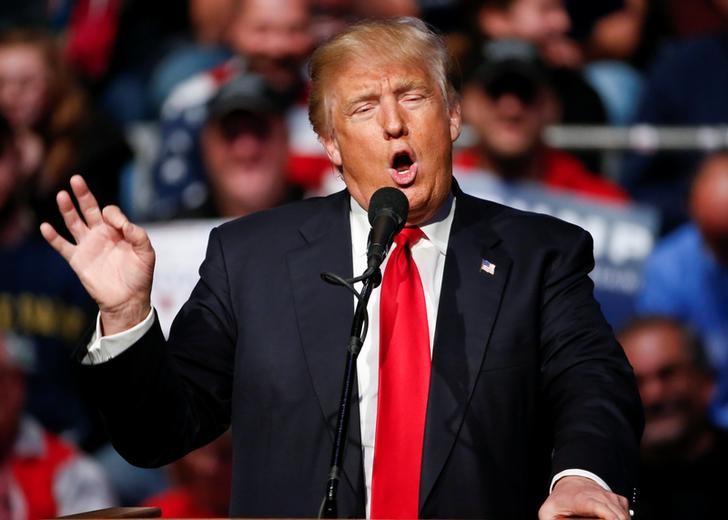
(509, 65)
(248, 92)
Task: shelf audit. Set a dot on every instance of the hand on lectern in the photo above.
(581, 497)
(112, 257)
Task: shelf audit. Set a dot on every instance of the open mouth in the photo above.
(403, 168)
(402, 161)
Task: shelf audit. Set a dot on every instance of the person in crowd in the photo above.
(57, 132)
(41, 474)
(683, 455)
(508, 100)
(244, 150)
(686, 275)
(523, 401)
(272, 39)
(685, 86)
(41, 300)
(201, 483)
(612, 37)
(203, 49)
(545, 24)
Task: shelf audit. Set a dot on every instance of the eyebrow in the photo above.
(400, 87)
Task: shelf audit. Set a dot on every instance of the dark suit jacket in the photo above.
(527, 378)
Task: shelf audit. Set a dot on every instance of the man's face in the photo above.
(675, 394)
(392, 127)
(508, 125)
(245, 156)
(275, 36)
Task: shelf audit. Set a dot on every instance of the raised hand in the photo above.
(112, 257)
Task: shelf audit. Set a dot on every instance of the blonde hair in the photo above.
(403, 40)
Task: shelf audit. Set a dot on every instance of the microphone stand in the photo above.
(329, 507)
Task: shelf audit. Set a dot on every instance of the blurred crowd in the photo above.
(197, 109)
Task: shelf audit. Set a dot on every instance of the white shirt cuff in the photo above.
(578, 473)
(103, 348)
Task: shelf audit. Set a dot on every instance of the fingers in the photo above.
(70, 216)
(86, 201)
(57, 242)
(134, 234)
(607, 510)
(577, 500)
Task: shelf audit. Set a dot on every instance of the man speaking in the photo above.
(489, 386)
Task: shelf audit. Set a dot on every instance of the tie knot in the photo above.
(408, 236)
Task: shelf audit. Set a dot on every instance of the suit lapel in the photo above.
(324, 314)
(469, 303)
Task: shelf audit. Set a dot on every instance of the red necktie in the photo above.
(404, 379)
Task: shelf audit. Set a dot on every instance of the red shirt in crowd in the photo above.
(561, 171)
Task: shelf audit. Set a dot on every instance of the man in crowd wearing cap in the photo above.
(41, 475)
(489, 384)
(244, 149)
(683, 455)
(544, 24)
(508, 101)
(271, 38)
(687, 274)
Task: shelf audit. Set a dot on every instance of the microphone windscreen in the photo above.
(390, 201)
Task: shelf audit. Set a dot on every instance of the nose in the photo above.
(651, 390)
(510, 105)
(392, 118)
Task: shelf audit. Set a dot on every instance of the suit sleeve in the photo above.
(161, 399)
(587, 382)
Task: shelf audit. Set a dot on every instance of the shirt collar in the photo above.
(437, 229)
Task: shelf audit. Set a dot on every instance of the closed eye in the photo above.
(363, 109)
(412, 98)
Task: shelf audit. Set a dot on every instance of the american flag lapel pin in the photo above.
(487, 267)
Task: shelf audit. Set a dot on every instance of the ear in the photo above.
(455, 120)
(332, 149)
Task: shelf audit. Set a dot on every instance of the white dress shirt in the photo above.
(429, 256)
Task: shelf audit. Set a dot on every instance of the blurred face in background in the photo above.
(675, 393)
(275, 36)
(535, 21)
(23, 85)
(508, 119)
(245, 157)
(206, 475)
(709, 205)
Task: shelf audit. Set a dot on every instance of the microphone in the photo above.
(388, 210)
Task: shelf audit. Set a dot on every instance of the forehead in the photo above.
(274, 12)
(21, 56)
(651, 348)
(360, 77)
